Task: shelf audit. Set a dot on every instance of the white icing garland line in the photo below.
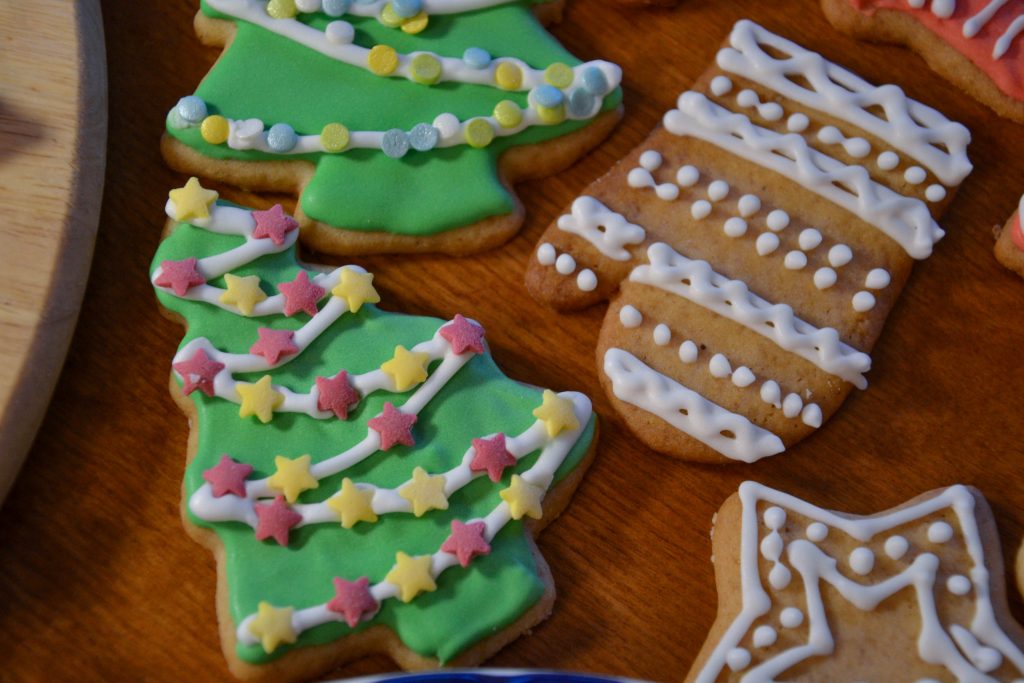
(905, 219)
(696, 281)
(978, 21)
(814, 566)
(638, 384)
(372, 8)
(1002, 45)
(909, 126)
(540, 474)
(607, 230)
(452, 69)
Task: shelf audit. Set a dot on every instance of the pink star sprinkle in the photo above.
(336, 394)
(275, 520)
(394, 427)
(228, 476)
(353, 599)
(491, 456)
(198, 372)
(274, 224)
(467, 541)
(463, 335)
(300, 294)
(180, 276)
(273, 344)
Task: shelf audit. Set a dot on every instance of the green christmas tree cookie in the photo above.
(400, 123)
(368, 481)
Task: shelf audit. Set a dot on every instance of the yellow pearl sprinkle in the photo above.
(558, 75)
(508, 76)
(425, 69)
(334, 137)
(416, 24)
(479, 133)
(282, 9)
(215, 130)
(551, 115)
(382, 60)
(508, 114)
(389, 18)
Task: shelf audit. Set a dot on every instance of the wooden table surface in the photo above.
(98, 581)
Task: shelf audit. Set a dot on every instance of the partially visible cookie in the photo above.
(975, 44)
(1010, 241)
(916, 593)
(752, 247)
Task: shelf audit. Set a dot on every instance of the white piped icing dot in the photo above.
(688, 352)
(771, 111)
(662, 335)
(791, 617)
(307, 5)
(940, 532)
(448, 125)
(771, 393)
(779, 577)
(718, 190)
(795, 260)
(743, 376)
(896, 547)
(862, 560)
(737, 659)
(778, 220)
(666, 191)
(721, 85)
(811, 415)
(825, 278)
(748, 205)
(764, 636)
(943, 9)
(766, 243)
(651, 160)
(546, 254)
(774, 517)
(840, 255)
(863, 301)
(639, 177)
(700, 209)
(809, 239)
(340, 32)
(878, 278)
(915, 175)
(687, 176)
(565, 264)
(792, 405)
(817, 532)
(630, 317)
(719, 366)
(888, 160)
(935, 193)
(958, 584)
(735, 227)
(586, 280)
(797, 123)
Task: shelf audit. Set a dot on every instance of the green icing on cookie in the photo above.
(265, 76)
(470, 603)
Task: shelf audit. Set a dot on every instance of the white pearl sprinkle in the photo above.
(795, 260)
(565, 264)
(878, 278)
(718, 190)
(825, 278)
(748, 205)
(688, 352)
(700, 209)
(840, 255)
(809, 239)
(863, 301)
(719, 366)
(766, 243)
(687, 176)
(586, 280)
(629, 316)
(735, 227)
(778, 220)
(546, 254)
(662, 334)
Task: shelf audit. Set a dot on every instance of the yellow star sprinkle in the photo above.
(259, 399)
(407, 368)
(192, 201)
(356, 288)
(411, 575)
(352, 504)
(243, 292)
(557, 413)
(425, 492)
(523, 498)
(273, 626)
(292, 477)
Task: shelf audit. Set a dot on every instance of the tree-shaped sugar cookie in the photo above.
(369, 482)
(400, 123)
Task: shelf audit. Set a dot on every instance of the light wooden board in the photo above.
(53, 127)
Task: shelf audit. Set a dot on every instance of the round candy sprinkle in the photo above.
(407, 8)
(281, 137)
(307, 5)
(395, 143)
(594, 81)
(335, 8)
(340, 32)
(558, 75)
(581, 103)
(215, 129)
(423, 137)
(478, 133)
(282, 9)
(191, 109)
(425, 68)
(508, 76)
(551, 115)
(476, 58)
(416, 24)
(508, 114)
(389, 17)
(335, 137)
(548, 96)
(382, 60)
(447, 125)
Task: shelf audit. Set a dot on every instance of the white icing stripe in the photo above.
(976, 22)
(1002, 45)
(607, 230)
(910, 126)
(905, 219)
(696, 281)
(934, 645)
(639, 385)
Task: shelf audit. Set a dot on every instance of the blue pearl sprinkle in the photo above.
(407, 8)
(423, 137)
(594, 81)
(335, 8)
(548, 96)
(281, 138)
(395, 143)
(581, 103)
(476, 58)
(191, 109)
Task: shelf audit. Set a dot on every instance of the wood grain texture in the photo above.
(99, 581)
(53, 124)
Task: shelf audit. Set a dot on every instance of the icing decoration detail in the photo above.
(406, 368)
(463, 335)
(607, 230)
(292, 477)
(467, 541)
(273, 626)
(662, 334)
(394, 427)
(353, 505)
(425, 492)
(586, 280)
(565, 264)
(180, 276)
(274, 344)
(353, 600)
(491, 456)
(258, 399)
(243, 292)
(523, 498)
(273, 224)
(630, 317)
(198, 372)
(227, 476)
(275, 520)
(557, 413)
(192, 201)
(411, 575)
(356, 288)
(546, 254)
(336, 394)
(300, 295)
